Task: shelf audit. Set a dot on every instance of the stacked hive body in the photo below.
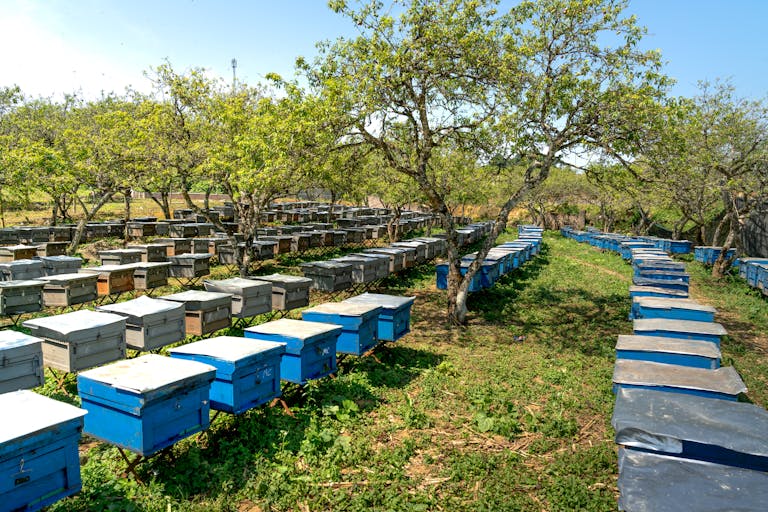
(684, 440)
(21, 361)
(206, 312)
(249, 297)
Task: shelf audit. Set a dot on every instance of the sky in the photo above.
(52, 47)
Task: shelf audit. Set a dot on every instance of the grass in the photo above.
(511, 412)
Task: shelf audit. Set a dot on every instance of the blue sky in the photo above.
(50, 47)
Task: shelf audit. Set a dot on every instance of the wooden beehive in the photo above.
(120, 256)
(52, 249)
(205, 312)
(151, 275)
(183, 230)
(288, 292)
(310, 347)
(247, 371)
(395, 314)
(17, 252)
(190, 266)
(359, 324)
(21, 361)
(150, 323)
(38, 450)
(69, 289)
(141, 229)
(148, 403)
(17, 297)
(175, 246)
(151, 252)
(79, 340)
(249, 296)
(112, 278)
(328, 276)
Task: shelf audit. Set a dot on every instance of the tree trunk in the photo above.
(723, 263)
(126, 215)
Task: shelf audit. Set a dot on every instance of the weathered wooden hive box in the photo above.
(396, 257)
(364, 270)
(300, 242)
(112, 278)
(262, 232)
(33, 235)
(326, 238)
(162, 227)
(55, 265)
(151, 252)
(381, 265)
(174, 246)
(693, 353)
(692, 427)
(141, 229)
(265, 249)
(682, 329)
(60, 233)
(673, 309)
(359, 324)
(288, 292)
(190, 265)
(226, 253)
(38, 451)
(420, 247)
(80, 340)
(215, 242)
(247, 370)
(150, 324)
(63, 290)
(21, 361)
(395, 314)
(17, 252)
(328, 276)
(249, 297)
(120, 256)
(95, 231)
(200, 246)
(148, 403)
(21, 270)
(436, 247)
(310, 347)
(723, 383)
(183, 214)
(9, 236)
(205, 228)
(22, 296)
(52, 249)
(315, 238)
(339, 237)
(354, 235)
(151, 275)
(205, 312)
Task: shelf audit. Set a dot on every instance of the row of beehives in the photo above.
(622, 243)
(27, 285)
(187, 223)
(376, 263)
(499, 261)
(685, 442)
(149, 403)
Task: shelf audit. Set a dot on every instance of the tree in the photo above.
(530, 85)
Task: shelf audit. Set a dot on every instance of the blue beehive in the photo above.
(723, 383)
(681, 329)
(664, 275)
(247, 370)
(680, 246)
(148, 403)
(395, 315)
(310, 347)
(719, 431)
(696, 354)
(709, 254)
(38, 451)
(21, 361)
(359, 324)
(660, 483)
(441, 272)
(673, 309)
